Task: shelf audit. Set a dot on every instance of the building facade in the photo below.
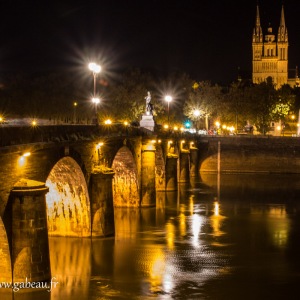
(270, 54)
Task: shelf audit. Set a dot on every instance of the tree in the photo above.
(204, 101)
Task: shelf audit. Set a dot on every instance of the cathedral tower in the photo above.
(270, 55)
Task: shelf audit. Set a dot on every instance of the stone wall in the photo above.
(250, 154)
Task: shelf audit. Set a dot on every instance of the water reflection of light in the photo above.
(216, 220)
(216, 208)
(157, 268)
(278, 223)
(170, 228)
(197, 221)
(182, 224)
(70, 265)
(191, 204)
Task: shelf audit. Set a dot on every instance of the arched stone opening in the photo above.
(68, 204)
(125, 182)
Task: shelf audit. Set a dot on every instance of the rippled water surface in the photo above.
(236, 240)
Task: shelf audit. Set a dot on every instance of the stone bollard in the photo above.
(26, 220)
(102, 209)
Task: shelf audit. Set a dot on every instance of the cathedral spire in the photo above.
(282, 20)
(282, 31)
(257, 16)
(257, 32)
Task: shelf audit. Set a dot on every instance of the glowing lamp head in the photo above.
(96, 100)
(94, 68)
(168, 98)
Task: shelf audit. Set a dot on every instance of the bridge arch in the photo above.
(68, 204)
(125, 182)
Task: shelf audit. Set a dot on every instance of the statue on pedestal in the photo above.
(147, 118)
(149, 105)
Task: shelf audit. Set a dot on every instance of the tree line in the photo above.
(53, 97)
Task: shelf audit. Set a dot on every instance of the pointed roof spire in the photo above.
(257, 16)
(282, 31)
(282, 20)
(257, 32)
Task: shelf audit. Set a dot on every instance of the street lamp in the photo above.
(168, 99)
(95, 69)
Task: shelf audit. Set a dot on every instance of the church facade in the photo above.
(270, 54)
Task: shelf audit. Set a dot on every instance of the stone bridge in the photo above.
(66, 180)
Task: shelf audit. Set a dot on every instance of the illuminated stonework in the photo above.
(68, 208)
(125, 183)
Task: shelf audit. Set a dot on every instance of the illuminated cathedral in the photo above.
(270, 54)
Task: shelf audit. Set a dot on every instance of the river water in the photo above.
(236, 237)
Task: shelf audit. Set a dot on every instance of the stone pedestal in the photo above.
(147, 122)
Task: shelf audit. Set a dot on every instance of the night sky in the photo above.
(208, 40)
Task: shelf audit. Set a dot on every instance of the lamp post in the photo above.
(74, 116)
(96, 101)
(168, 99)
(95, 69)
(196, 114)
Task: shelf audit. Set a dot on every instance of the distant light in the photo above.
(126, 123)
(278, 127)
(98, 146)
(75, 103)
(187, 124)
(166, 126)
(26, 154)
(107, 122)
(175, 128)
(196, 112)
(33, 123)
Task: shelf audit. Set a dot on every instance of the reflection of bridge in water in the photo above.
(76, 175)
